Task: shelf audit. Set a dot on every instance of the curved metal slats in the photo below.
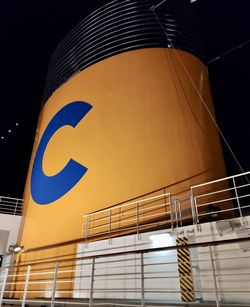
(119, 26)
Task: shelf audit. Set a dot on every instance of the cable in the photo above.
(193, 84)
(228, 51)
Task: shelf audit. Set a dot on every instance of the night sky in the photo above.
(31, 30)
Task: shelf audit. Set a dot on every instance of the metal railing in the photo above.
(221, 199)
(224, 198)
(12, 206)
(220, 274)
(133, 217)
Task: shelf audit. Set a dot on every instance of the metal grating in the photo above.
(117, 27)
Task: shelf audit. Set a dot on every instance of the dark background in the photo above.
(31, 30)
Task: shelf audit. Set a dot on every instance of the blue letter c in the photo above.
(46, 189)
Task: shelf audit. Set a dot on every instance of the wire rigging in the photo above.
(152, 9)
(228, 51)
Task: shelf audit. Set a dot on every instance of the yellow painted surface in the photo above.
(147, 129)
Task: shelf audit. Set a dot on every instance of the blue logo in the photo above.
(46, 189)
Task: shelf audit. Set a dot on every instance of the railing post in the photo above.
(53, 294)
(87, 231)
(26, 285)
(110, 220)
(194, 210)
(137, 221)
(237, 198)
(176, 214)
(3, 285)
(180, 214)
(16, 207)
(142, 282)
(92, 283)
(171, 213)
(214, 276)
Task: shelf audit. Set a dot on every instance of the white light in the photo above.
(2, 137)
(9, 130)
(162, 239)
(17, 249)
(17, 124)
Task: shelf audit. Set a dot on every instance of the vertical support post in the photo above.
(91, 295)
(5, 276)
(53, 294)
(110, 220)
(180, 213)
(87, 231)
(165, 200)
(26, 285)
(214, 277)
(192, 209)
(16, 207)
(237, 198)
(137, 221)
(142, 282)
(171, 213)
(176, 214)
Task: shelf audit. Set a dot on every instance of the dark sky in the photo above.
(30, 31)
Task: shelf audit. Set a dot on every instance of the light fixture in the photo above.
(9, 130)
(17, 124)
(15, 248)
(2, 137)
(161, 239)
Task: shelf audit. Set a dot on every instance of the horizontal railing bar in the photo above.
(213, 193)
(122, 213)
(225, 210)
(132, 290)
(216, 202)
(223, 200)
(129, 228)
(150, 250)
(219, 180)
(112, 279)
(129, 220)
(12, 205)
(129, 204)
(221, 191)
(9, 209)
(5, 197)
(59, 302)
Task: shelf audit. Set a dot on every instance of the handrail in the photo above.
(139, 251)
(232, 197)
(10, 205)
(100, 279)
(127, 204)
(219, 180)
(6, 197)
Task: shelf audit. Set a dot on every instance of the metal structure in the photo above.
(12, 206)
(117, 27)
(133, 275)
(134, 216)
(224, 198)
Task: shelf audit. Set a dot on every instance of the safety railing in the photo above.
(221, 199)
(133, 217)
(224, 198)
(12, 206)
(218, 273)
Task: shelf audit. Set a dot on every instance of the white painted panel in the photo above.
(120, 276)
(9, 226)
